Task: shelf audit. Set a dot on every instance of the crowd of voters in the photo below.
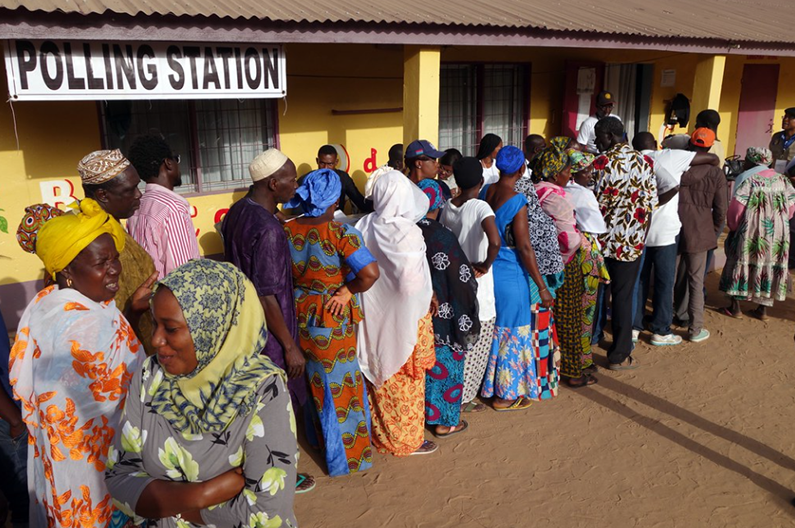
(148, 386)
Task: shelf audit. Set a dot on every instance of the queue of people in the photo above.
(157, 387)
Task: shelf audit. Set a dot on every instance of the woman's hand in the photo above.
(434, 305)
(139, 302)
(480, 270)
(546, 298)
(336, 305)
(224, 487)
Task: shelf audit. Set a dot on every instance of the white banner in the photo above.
(47, 70)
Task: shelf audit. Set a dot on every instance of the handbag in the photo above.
(733, 167)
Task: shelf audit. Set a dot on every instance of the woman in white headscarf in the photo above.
(392, 356)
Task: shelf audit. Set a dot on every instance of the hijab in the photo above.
(227, 324)
(401, 296)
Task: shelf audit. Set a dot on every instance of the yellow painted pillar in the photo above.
(421, 93)
(707, 85)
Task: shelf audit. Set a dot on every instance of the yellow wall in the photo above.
(322, 78)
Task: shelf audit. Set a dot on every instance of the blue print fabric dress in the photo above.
(511, 371)
(325, 256)
(455, 328)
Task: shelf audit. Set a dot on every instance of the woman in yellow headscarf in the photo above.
(71, 364)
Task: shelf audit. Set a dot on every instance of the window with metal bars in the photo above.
(216, 139)
(476, 99)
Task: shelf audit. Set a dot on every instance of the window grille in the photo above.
(476, 99)
(216, 139)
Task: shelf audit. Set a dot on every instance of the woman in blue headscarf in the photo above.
(512, 375)
(331, 265)
(456, 325)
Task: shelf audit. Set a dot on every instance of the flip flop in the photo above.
(426, 448)
(728, 313)
(619, 366)
(453, 430)
(473, 407)
(304, 483)
(519, 404)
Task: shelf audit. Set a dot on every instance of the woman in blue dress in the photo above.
(511, 373)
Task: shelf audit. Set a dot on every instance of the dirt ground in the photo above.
(701, 435)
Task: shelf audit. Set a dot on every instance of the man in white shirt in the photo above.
(586, 137)
(661, 240)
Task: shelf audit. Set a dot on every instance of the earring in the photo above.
(68, 283)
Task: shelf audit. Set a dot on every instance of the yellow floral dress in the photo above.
(71, 366)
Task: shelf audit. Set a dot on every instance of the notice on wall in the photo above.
(48, 70)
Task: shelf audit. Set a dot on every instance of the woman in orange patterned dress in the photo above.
(331, 266)
(71, 364)
(393, 356)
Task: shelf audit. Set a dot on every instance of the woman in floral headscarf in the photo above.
(757, 247)
(576, 299)
(208, 433)
(456, 325)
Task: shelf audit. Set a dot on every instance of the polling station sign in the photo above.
(47, 70)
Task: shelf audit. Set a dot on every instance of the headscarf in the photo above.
(509, 159)
(433, 191)
(61, 239)
(320, 189)
(227, 324)
(759, 156)
(487, 145)
(35, 217)
(579, 160)
(553, 159)
(468, 172)
(101, 166)
(397, 301)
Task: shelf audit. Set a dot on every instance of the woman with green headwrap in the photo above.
(208, 433)
(584, 266)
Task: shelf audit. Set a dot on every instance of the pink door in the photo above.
(756, 120)
(571, 98)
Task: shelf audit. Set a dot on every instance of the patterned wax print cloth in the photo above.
(511, 371)
(324, 257)
(627, 194)
(757, 251)
(397, 406)
(456, 327)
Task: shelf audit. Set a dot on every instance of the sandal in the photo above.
(727, 312)
(455, 429)
(756, 313)
(586, 380)
(621, 366)
(304, 483)
(519, 404)
(426, 448)
(473, 407)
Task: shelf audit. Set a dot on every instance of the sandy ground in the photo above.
(699, 436)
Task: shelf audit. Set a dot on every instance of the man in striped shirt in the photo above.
(162, 225)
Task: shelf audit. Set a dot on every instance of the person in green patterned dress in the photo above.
(757, 247)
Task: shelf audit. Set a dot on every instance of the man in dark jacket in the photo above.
(703, 201)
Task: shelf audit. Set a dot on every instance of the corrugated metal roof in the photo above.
(732, 20)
